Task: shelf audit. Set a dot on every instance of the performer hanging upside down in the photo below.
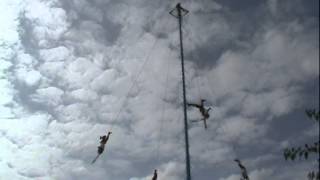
(103, 141)
(243, 170)
(155, 175)
(204, 112)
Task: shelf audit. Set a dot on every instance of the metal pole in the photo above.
(179, 8)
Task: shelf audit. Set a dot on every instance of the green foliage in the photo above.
(301, 152)
(313, 114)
(313, 175)
(304, 152)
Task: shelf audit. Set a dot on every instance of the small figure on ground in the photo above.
(155, 175)
(204, 111)
(244, 173)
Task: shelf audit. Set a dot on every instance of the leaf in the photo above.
(313, 149)
(306, 154)
(309, 113)
(300, 153)
(286, 154)
(311, 175)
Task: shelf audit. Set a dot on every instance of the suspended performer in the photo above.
(204, 111)
(155, 175)
(244, 173)
(103, 141)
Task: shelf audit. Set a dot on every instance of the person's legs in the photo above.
(205, 123)
(194, 105)
(100, 150)
(202, 101)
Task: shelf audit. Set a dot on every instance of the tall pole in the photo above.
(181, 12)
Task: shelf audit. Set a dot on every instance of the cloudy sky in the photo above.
(71, 70)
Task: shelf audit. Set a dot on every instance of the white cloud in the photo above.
(60, 53)
(241, 130)
(50, 96)
(49, 21)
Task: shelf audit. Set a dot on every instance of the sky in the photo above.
(72, 70)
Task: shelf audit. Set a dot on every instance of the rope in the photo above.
(197, 79)
(196, 57)
(135, 79)
(94, 160)
(163, 111)
(130, 89)
(232, 142)
(134, 82)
